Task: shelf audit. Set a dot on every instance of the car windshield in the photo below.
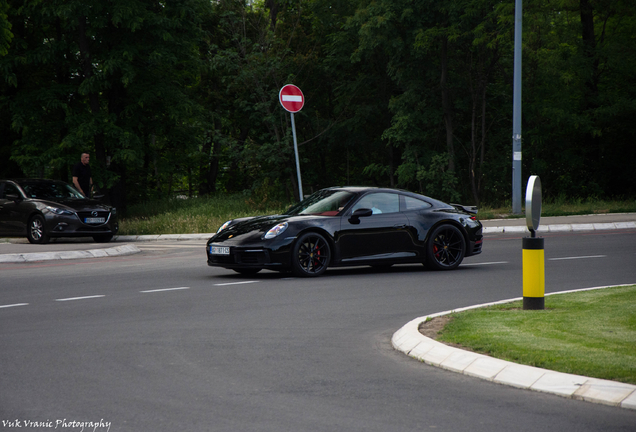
(325, 203)
(50, 191)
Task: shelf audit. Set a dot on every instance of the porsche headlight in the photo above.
(276, 231)
(59, 211)
(225, 225)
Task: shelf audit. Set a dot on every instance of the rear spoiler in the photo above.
(467, 209)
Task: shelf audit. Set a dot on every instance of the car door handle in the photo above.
(399, 226)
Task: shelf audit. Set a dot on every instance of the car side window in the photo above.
(379, 202)
(10, 189)
(411, 203)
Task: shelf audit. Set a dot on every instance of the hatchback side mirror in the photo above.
(14, 197)
(356, 215)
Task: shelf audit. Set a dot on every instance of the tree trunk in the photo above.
(447, 105)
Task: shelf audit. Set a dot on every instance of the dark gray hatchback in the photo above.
(40, 209)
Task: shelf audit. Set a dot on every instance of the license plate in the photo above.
(219, 250)
(94, 220)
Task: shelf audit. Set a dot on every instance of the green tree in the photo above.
(108, 77)
(579, 94)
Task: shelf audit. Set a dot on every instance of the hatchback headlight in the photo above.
(276, 231)
(59, 211)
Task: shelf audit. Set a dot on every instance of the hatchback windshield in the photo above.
(50, 191)
(324, 203)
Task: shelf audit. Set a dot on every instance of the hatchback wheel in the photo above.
(36, 233)
(446, 248)
(311, 255)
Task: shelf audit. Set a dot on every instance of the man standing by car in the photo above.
(82, 178)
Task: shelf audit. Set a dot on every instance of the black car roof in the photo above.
(34, 180)
(362, 189)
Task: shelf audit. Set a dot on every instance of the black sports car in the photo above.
(41, 209)
(349, 226)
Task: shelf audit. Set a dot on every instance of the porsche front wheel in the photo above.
(311, 255)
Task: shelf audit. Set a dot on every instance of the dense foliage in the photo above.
(182, 96)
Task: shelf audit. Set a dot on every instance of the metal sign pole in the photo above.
(516, 113)
(300, 182)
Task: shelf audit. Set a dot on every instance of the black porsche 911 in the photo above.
(40, 209)
(349, 226)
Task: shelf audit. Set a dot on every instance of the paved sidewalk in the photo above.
(410, 341)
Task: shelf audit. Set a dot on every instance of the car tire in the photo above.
(102, 238)
(247, 272)
(36, 231)
(446, 248)
(311, 255)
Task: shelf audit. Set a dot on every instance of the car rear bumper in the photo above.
(474, 247)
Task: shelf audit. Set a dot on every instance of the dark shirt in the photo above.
(83, 174)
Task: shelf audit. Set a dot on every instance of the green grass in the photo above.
(191, 216)
(563, 207)
(205, 215)
(590, 333)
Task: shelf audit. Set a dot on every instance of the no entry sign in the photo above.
(291, 98)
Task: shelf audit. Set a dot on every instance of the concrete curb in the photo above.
(561, 228)
(410, 341)
(159, 237)
(68, 255)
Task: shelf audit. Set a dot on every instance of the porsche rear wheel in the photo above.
(311, 255)
(446, 248)
(36, 233)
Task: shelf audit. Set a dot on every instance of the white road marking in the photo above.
(13, 305)
(236, 283)
(578, 257)
(485, 263)
(79, 298)
(165, 289)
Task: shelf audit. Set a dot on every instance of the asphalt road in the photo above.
(158, 341)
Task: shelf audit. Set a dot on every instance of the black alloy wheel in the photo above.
(311, 255)
(446, 248)
(36, 233)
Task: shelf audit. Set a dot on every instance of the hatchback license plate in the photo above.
(219, 250)
(94, 220)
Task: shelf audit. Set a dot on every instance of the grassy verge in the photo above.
(189, 216)
(590, 333)
(562, 207)
(205, 215)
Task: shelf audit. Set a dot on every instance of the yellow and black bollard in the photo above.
(533, 256)
(533, 273)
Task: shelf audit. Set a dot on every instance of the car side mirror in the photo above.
(356, 215)
(14, 197)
